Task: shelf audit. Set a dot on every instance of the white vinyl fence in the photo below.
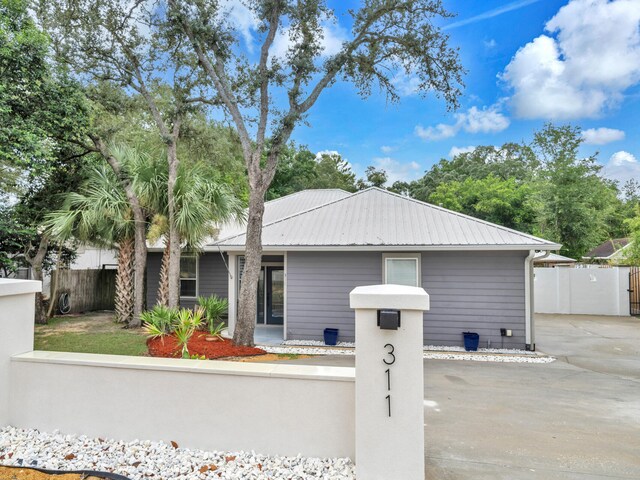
(586, 291)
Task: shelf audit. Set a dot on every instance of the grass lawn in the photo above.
(91, 333)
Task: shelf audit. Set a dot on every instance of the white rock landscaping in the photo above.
(435, 352)
(158, 460)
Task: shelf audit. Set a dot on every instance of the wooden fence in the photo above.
(88, 289)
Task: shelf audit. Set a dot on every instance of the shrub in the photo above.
(215, 308)
(187, 323)
(159, 321)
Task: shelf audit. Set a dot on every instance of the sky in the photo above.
(528, 62)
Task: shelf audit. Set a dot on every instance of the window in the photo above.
(402, 269)
(188, 276)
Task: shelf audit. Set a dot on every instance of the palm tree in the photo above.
(100, 214)
(201, 204)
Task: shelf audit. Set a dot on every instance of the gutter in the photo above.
(529, 313)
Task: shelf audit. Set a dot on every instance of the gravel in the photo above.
(158, 460)
(430, 352)
(436, 352)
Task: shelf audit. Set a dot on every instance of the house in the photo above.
(611, 251)
(320, 244)
(550, 260)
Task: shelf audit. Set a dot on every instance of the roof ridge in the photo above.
(300, 213)
(306, 190)
(393, 194)
(459, 214)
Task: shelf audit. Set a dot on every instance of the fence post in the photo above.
(17, 309)
(389, 381)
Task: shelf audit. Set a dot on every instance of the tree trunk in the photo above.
(174, 236)
(124, 301)
(53, 288)
(163, 284)
(248, 299)
(140, 266)
(36, 261)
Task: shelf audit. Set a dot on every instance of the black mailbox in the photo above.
(389, 319)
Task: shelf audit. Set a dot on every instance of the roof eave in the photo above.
(389, 248)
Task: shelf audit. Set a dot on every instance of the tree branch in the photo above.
(264, 77)
(217, 75)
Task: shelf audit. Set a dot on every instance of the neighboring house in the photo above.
(611, 251)
(545, 259)
(320, 244)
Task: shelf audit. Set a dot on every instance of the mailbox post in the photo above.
(389, 381)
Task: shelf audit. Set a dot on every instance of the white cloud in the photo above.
(601, 136)
(458, 150)
(491, 43)
(387, 149)
(589, 57)
(241, 18)
(406, 85)
(439, 132)
(487, 120)
(622, 166)
(474, 120)
(333, 37)
(397, 170)
(509, 7)
(327, 152)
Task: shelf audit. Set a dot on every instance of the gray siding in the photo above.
(154, 259)
(469, 291)
(318, 286)
(474, 291)
(212, 277)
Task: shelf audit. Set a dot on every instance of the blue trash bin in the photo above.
(331, 336)
(471, 341)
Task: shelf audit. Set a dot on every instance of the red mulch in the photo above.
(167, 346)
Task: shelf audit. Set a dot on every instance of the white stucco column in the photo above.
(389, 382)
(17, 308)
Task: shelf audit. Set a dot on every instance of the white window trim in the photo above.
(403, 256)
(197, 277)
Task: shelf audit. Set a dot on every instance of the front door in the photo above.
(271, 296)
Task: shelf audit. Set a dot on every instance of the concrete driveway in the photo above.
(576, 418)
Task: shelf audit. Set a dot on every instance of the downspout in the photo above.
(530, 338)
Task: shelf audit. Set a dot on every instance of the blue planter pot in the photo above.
(471, 341)
(331, 336)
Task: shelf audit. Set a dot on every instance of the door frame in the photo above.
(268, 285)
(265, 265)
(234, 290)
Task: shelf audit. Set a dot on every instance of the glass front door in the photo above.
(271, 296)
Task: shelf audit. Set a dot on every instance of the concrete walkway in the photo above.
(576, 418)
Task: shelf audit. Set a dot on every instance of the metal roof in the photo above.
(553, 258)
(273, 210)
(378, 218)
(286, 206)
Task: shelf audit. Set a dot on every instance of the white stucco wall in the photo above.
(587, 291)
(17, 305)
(212, 405)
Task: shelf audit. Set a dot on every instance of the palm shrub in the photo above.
(159, 321)
(182, 323)
(215, 308)
(186, 325)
